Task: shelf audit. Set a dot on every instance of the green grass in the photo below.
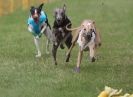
(22, 75)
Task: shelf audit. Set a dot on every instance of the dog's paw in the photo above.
(55, 43)
(37, 37)
(47, 52)
(93, 59)
(67, 57)
(61, 46)
(38, 55)
(55, 63)
(76, 69)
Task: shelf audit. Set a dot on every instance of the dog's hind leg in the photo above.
(80, 54)
(48, 34)
(47, 46)
(54, 51)
(70, 49)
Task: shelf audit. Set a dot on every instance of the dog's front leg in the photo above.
(62, 37)
(80, 54)
(36, 41)
(92, 53)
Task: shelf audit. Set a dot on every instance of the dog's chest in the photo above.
(61, 31)
(83, 44)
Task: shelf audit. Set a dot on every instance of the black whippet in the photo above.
(62, 35)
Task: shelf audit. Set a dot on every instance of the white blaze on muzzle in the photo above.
(35, 14)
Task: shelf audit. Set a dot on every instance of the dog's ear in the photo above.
(32, 9)
(64, 7)
(40, 6)
(54, 12)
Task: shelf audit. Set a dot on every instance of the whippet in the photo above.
(88, 39)
(37, 25)
(62, 35)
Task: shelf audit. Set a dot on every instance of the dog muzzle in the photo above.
(87, 36)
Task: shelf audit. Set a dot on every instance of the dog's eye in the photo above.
(62, 13)
(84, 29)
(38, 12)
(92, 30)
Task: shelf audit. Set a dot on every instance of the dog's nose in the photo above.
(88, 37)
(58, 20)
(35, 16)
(84, 29)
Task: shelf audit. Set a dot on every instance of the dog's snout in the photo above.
(88, 37)
(58, 19)
(35, 15)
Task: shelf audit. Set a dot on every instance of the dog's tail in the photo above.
(72, 29)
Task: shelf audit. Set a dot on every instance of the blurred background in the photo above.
(9, 6)
(22, 75)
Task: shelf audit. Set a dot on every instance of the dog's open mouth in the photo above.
(36, 19)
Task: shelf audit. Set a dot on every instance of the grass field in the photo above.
(22, 75)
